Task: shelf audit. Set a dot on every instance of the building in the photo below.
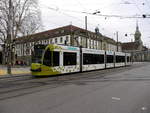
(68, 35)
(139, 52)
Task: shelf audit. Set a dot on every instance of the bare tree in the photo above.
(24, 15)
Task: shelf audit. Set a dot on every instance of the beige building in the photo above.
(67, 35)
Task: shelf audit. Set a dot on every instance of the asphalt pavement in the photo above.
(121, 90)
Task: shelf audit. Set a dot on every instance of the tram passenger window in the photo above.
(69, 58)
(55, 58)
(101, 59)
(120, 59)
(87, 59)
(110, 58)
(97, 59)
(117, 59)
(47, 58)
(93, 59)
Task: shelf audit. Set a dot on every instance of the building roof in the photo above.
(130, 46)
(62, 31)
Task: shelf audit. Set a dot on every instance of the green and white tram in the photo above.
(58, 59)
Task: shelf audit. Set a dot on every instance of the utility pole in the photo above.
(117, 39)
(9, 45)
(86, 32)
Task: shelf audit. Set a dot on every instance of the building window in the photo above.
(67, 38)
(61, 39)
(47, 41)
(51, 41)
(55, 40)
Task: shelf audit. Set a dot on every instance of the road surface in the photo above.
(121, 90)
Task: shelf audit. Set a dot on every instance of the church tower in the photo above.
(137, 35)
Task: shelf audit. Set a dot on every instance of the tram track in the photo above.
(14, 87)
(68, 76)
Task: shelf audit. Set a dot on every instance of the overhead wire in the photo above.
(66, 14)
(85, 10)
(63, 11)
(140, 10)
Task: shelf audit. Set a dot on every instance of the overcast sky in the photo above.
(58, 13)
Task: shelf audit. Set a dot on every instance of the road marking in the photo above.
(115, 98)
(143, 108)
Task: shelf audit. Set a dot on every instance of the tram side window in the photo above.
(87, 59)
(47, 58)
(97, 59)
(110, 58)
(55, 58)
(93, 59)
(120, 59)
(69, 58)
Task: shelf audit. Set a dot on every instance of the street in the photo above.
(119, 90)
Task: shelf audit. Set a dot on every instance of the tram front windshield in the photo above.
(37, 53)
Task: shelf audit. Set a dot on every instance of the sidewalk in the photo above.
(20, 70)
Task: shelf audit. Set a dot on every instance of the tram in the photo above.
(55, 59)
